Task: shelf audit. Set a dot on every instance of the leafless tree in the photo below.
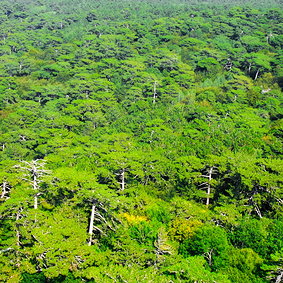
(34, 171)
(101, 215)
(5, 190)
(207, 185)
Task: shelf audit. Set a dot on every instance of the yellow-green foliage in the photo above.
(46, 205)
(181, 229)
(133, 219)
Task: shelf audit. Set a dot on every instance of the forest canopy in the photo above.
(141, 141)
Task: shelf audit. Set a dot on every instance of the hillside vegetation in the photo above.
(141, 141)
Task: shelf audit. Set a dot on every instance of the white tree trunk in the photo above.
(4, 189)
(34, 171)
(123, 180)
(250, 66)
(91, 223)
(208, 255)
(279, 278)
(35, 187)
(209, 186)
(256, 75)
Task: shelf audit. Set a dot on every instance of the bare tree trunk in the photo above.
(35, 170)
(279, 278)
(91, 223)
(209, 186)
(253, 203)
(208, 255)
(250, 66)
(35, 201)
(123, 180)
(4, 189)
(122, 176)
(256, 75)
(35, 186)
(258, 211)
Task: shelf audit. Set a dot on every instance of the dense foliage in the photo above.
(141, 141)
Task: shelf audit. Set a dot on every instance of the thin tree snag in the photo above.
(122, 176)
(251, 201)
(3, 251)
(208, 255)
(96, 216)
(208, 183)
(35, 169)
(5, 189)
(250, 66)
(256, 75)
(90, 231)
(35, 201)
(279, 278)
(209, 186)
(123, 180)
(18, 217)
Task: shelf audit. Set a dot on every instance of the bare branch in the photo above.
(100, 231)
(8, 249)
(36, 171)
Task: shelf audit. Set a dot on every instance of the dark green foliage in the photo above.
(208, 241)
(252, 233)
(39, 277)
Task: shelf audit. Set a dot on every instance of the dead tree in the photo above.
(251, 201)
(19, 216)
(154, 92)
(91, 223)
(256, 75)
(102, 216)
(229, 65)
(207, 185)
(121, 174)
(34, 171)
(5, 190)
(208, 256)
(279, 278)
(257, 189)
